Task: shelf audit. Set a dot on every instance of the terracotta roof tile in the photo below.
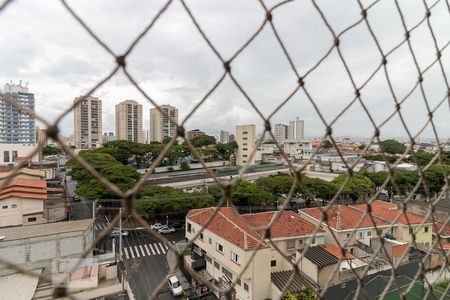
(336, 251)
(389, 211)
(228, 225)
(289, 224)
(342, 217)
(25, 188)
(443, 229)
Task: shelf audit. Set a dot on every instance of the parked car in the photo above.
(116, 233)
(166, 229)
(178, 225)
(174, 285)
(156, 226)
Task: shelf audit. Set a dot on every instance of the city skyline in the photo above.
(175, 76)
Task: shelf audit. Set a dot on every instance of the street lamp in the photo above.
(167, 220)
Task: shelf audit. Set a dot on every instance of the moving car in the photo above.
(116, 233)
(156, 226)
(174, 285)
(166, 229)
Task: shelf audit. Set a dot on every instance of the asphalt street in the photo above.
(146, 263)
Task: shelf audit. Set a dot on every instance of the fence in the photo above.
(305, 81)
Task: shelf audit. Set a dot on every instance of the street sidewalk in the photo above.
(172, 261)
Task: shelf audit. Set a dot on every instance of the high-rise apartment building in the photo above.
(281, 133)
(245, 139)
(296, 130)
(88, 122)
(160, 125)
(129, 121)
(17, 127)
(224, 137)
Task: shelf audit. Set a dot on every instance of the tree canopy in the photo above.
(392, 147)
(123, 176)
(51, 150)
(203, 140)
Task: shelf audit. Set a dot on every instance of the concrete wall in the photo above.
(23, 210)
(39, 252)
(23, 150)
(422, 237)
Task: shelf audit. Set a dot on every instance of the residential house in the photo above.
(408, 224)
(230, 241)
(346, 226)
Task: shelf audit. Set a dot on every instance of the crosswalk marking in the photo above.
(166, 246)
(137, 251)
(131, 251)
(151, 248)
(126, 253)
(162, 248)
(156, 247)
(146, 248)
(142, 250)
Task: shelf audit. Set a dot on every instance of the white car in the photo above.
(174, 285)
(166, 229)
(116, 233)
(156, 226)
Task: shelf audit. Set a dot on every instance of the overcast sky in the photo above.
(43, 45)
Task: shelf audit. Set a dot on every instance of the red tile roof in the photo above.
(25, 188)
(241, 230)
(228, 225)
(342, 217)
(443, 229)
(289, 224)
(390, 212)
(336, 251)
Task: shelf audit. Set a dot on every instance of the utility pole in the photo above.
(120, 234)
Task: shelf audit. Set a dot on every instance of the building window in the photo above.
(244, 132)
(301, 241)
(245, 155)
(216, 265)
(411, 230)
(210, 241)
(360, 235)
(227, 273)
(244, 144)
(5, 156)
(201, 236)
(33, 219)
(4, 206)
(189, 227)
(244, 149)
(425, 229)
(379, 232)
(219, 247)
(313, 240)
(13, 205)
(244, 138)
(208, 259)
(369, 233)
(245, 286)
(273, 263)
(290, 244)
(236, 258)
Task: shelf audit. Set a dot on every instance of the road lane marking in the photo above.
(162, 248)
(156, 247)
(142, 250)
(131, 252)
(146, 248)
(166, 246)
(151, 248)
(137, 251)
(126, 253)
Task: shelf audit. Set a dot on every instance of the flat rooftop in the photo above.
(31, 231)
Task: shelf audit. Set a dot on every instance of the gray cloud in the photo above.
(174, 65)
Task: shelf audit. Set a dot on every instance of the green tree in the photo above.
(184, 166)
(122, 176)
(327, 144)
(180, 203)
(203, 140)
(306, 293)
(51, 150)
(275, 184)
(392, 147)
(358, 186)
